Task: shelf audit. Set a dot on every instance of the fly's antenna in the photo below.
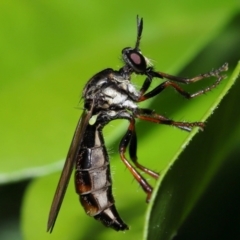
(139, 31)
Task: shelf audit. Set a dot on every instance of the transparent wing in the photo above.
(68, 167)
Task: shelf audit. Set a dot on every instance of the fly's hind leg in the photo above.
(133, 156)
(130, 137)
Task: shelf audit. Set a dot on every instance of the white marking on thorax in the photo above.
(114, 97)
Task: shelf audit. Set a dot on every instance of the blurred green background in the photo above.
(49, 49)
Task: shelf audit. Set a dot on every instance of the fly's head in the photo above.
(133, 58)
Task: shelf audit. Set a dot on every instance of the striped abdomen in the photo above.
(93, 180)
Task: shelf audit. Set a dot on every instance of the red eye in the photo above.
(134, 59)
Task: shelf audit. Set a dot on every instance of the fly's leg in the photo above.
(151, 116)
(133, 156)
(122, 149)
(172, 82)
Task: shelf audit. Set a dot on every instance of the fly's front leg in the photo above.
(161, 87)
(151, 116)
(150, 75)
(122, 149)
(174, 79)
(145, 86)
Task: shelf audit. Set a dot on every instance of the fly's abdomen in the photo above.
(93, 181)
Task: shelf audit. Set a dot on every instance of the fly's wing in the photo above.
(68, 167)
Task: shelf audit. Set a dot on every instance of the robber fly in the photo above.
(110, 95)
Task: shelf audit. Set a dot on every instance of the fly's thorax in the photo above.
(109, 89)
(116, 97)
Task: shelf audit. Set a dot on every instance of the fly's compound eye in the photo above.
(134, 59)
